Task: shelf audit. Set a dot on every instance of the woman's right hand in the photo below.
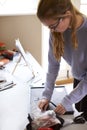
(43, 104)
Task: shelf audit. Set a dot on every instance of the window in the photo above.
(45, 40)
(83, 6)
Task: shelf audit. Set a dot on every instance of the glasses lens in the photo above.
(54, 26)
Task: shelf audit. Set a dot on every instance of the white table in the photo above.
(14, 107)
(15, 102)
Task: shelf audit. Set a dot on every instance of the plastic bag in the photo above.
(45, 119)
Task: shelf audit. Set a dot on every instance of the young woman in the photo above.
(68, 39)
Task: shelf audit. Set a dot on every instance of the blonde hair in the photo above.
(51, 9)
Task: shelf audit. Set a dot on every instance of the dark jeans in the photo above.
(81, 106)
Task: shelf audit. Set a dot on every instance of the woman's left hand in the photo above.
(60, 109)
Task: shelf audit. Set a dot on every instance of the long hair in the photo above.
(51, 9)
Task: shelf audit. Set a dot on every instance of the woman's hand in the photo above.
(60, 109)
(43, 104)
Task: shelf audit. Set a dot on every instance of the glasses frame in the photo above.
(55, 25)
(59, 20)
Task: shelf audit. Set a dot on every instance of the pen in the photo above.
(7, 87)
(5, 84)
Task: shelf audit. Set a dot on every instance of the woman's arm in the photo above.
(53, 68)
(76, 95)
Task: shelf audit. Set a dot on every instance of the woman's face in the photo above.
(60, 24)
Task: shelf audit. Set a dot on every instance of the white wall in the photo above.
(25, 27)
(76, 3)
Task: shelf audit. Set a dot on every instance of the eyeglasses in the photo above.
(54, 26)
